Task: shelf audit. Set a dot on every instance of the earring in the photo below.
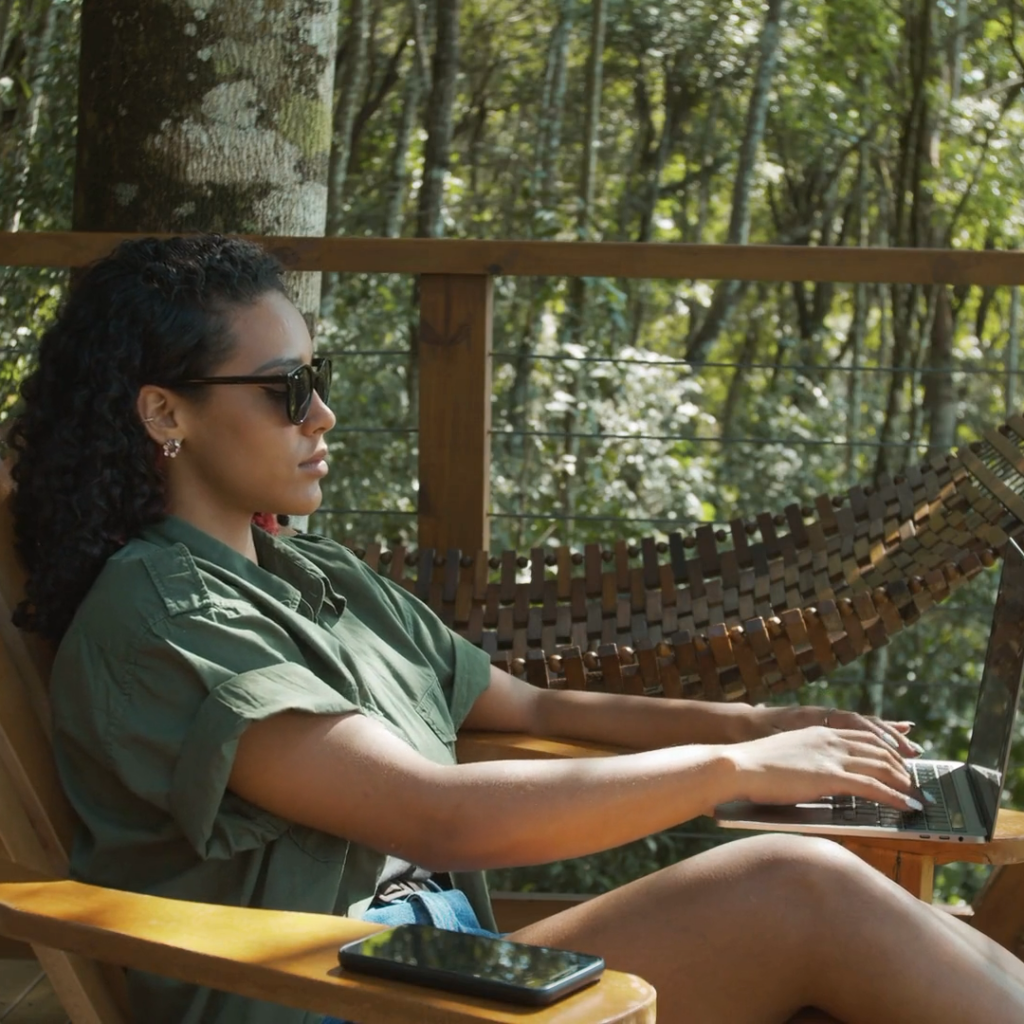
(171, 447)
(148, 419)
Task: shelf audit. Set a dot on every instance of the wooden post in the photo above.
(455, 410)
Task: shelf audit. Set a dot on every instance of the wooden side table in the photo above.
(911, 863)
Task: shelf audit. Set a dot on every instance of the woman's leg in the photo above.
(760, 928)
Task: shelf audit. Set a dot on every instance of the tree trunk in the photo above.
(939, 392)
(349, 79)
(859, 327)
(588, 163)
(727, 293)
(6, 10)
(440, 125)
(212, 117)
(552, 105)
(440, 107)
(1013, 351)
(573, 325)
(872, 696)
(549, 140)
(37, 61)
(398, 177)
(349, 76)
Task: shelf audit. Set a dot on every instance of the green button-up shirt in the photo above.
(178, 646)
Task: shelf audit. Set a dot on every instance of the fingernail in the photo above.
(891, 741)
(914, 805)
(915, 747)
(928, 798)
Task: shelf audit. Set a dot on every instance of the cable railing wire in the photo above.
(505, 356)
(709, 439)
(693, 438)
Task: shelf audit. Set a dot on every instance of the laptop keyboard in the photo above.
(944, 816)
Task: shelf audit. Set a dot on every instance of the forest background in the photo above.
(626, 408)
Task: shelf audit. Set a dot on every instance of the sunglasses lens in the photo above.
(322, 380)
(302, 382)
(300, 393)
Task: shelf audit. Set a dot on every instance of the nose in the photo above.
(319, 419)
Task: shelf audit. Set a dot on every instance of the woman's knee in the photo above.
(813, 868)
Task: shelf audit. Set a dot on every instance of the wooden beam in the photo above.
(455, 411)
(489, 258)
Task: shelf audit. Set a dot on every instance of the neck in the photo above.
(231, 528)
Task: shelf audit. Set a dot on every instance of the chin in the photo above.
(305, 505)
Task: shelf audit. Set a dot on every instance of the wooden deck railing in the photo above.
(456, 286)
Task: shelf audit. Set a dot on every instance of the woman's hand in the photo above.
(806, 764)
(785, 719)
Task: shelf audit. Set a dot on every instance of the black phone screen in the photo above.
(476, 964)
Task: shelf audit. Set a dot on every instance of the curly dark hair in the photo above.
(87, 472)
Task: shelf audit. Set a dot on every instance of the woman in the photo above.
(245, 719)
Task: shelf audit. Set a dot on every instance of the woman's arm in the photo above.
(349, 776)
(646, 723)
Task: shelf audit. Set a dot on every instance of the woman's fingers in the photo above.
(891, 777)
(897, 731)
(868, 756)
(870, 745)
(886, 731)
(869, 788)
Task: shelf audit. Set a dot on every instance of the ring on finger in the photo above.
(828, 715)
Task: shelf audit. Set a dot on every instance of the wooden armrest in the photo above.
(475, 745)
(283, 957)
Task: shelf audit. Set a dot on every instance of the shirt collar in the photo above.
(282, 571)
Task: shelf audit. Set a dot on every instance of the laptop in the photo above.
(966, 794)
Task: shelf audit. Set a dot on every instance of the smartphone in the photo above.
(477, 965)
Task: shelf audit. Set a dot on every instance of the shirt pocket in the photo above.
(319, 846)
(431, 707)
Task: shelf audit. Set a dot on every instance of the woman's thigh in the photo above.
(727, 935)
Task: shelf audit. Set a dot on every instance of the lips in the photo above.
(320, 455)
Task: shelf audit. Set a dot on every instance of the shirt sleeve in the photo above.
(463, 669)
(193, 686)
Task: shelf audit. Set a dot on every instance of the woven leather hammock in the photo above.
(792, 596)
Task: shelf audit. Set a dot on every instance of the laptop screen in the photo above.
(1000, 687)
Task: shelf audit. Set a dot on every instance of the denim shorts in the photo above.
(443, 908)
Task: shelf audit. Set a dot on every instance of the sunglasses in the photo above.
(300, 385)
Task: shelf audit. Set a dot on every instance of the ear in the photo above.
(158, 410)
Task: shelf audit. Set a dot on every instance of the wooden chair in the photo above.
(289, 958)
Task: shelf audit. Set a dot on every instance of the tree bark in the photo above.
(440, 122)
(939, 392)
(549, 140)
(398, 176)
(588, 163)
(349, 79)
(727, 293)
(206, 117)
(552, 106)
(1013, 351)
(349, 76)
(36, 68)
(588, 171)
(859, 326)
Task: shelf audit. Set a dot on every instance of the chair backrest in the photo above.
(37, 823)
(36, 820)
